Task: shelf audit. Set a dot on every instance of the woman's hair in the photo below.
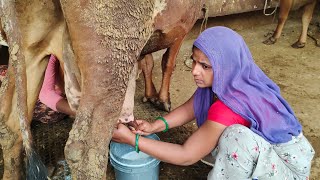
(242, 86)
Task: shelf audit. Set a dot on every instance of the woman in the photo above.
(243, 120)
(52, 88)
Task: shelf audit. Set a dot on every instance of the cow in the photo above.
(285, 6)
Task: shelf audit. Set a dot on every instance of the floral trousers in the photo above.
(244, 155)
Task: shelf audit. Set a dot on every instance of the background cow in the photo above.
(285, 7)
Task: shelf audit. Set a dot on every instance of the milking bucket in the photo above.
(130, 165)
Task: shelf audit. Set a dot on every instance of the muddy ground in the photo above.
(296, 71)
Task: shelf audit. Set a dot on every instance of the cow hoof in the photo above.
(298, 44)
(153, 100)
(167, 106)
(164, 106)
(271, 40)
(144, 99)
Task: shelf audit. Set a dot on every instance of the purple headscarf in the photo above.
(242, 86)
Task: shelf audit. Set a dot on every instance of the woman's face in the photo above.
(201, 69)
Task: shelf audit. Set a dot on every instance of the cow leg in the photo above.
(306, 19)
(11, 139)
(12, 158)
(11, 146)
(146, 65)
(16, 110)
(106, 43)
(86, 150)
(10, 135)
(285, 6)
(168, 63)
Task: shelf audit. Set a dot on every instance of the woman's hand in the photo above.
(122, 134)
(144, 128)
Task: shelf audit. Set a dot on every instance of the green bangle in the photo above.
(165, 122)
(137, 141)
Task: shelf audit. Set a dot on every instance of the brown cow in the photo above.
(285, 6)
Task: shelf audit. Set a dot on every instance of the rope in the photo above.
(204, 23)
(265, 7)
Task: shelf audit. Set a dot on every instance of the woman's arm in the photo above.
(198, 145)
(179, 116)
(48, 95)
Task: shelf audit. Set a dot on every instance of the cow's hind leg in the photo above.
(11, 139)
(11, 147)
(306, 18)
(168, 65)
(146, 65)
(285, 6)
(12, 150)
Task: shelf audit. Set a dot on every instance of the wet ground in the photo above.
(296, 71)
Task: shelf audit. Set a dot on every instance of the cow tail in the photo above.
(36, 170)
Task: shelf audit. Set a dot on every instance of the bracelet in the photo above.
(165, 122)
(137, 141)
